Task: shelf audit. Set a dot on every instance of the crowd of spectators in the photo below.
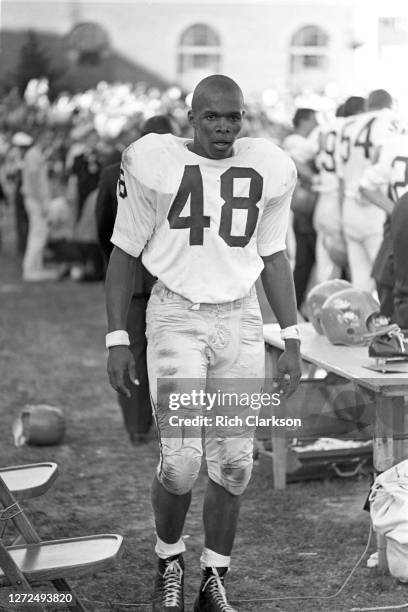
(80, 134)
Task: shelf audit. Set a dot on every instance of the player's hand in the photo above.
(121, 367)
(289, 368)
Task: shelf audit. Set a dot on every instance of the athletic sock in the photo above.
(164, 550)
(210, 558)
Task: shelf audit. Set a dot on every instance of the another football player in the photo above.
(331, 253)
(383, 184)
(361, 139)
(210, 215)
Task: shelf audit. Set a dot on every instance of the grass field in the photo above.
(302, 541)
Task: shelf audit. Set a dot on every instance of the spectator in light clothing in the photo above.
(36, 190)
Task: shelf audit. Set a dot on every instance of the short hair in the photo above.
(378, 99)
(353, 106)
(340, 110)
(217, 82)
(302, 114)
(159, 124)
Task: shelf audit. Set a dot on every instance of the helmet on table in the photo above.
(317, 297)
(345, 314)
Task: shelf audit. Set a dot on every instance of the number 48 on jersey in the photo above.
(191, 186)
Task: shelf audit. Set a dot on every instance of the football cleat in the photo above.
(169, 587)
(212, 596)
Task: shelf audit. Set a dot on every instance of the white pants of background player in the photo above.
(211, 347)
(327, 222)
(363, 231)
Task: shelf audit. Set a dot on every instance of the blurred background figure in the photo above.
(82, 184)
(362, 136)
(399, 235)
(37, 195)
(302, 146)
(136, 410)
(381, 185)
(330, 246)
(11, 181)
(331, 249)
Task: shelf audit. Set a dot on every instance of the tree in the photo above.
(33, 63)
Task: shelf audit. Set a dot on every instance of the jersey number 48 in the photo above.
(192, 186)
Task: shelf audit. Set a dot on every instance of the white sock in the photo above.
(209, 558)
(164, 550)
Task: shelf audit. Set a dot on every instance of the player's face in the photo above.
(217, 121)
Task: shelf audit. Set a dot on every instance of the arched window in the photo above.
(309, 49)
(199, 51)
(88, 42)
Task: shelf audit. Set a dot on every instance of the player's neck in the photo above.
(196, 148)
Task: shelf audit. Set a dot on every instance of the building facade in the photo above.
(336, 46)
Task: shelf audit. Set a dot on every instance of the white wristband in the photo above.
(120, 337)
(290, 333)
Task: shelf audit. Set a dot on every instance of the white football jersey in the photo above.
(390, 173)
(203, 224)
(327, 157)
(361, 137)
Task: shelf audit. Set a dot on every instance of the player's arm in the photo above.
(119, 290)
(373, 181)
(279, 288)
(277, 277)
(377, 197)
(134, 225)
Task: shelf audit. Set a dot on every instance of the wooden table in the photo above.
(391, 415)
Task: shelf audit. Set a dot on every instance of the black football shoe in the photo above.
(169, 586)
(212, 596)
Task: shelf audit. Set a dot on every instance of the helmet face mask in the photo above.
(345, 316)
(317, 297)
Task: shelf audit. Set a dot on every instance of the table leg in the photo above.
(400, 427)
(278, 435)
(383, 456)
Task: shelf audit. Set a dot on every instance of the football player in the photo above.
(210, 215)
(383, 184)
(362, 136)
(331, 256)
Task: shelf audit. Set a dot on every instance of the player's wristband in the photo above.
(120, 337)
(290, 333)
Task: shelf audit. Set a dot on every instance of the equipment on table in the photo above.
(345, 315)
(318, 295)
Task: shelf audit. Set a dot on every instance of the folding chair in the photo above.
(36, 561)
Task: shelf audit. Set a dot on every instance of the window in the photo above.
(199, 50)
(309, 49)
(392, 31)
(88, 43)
